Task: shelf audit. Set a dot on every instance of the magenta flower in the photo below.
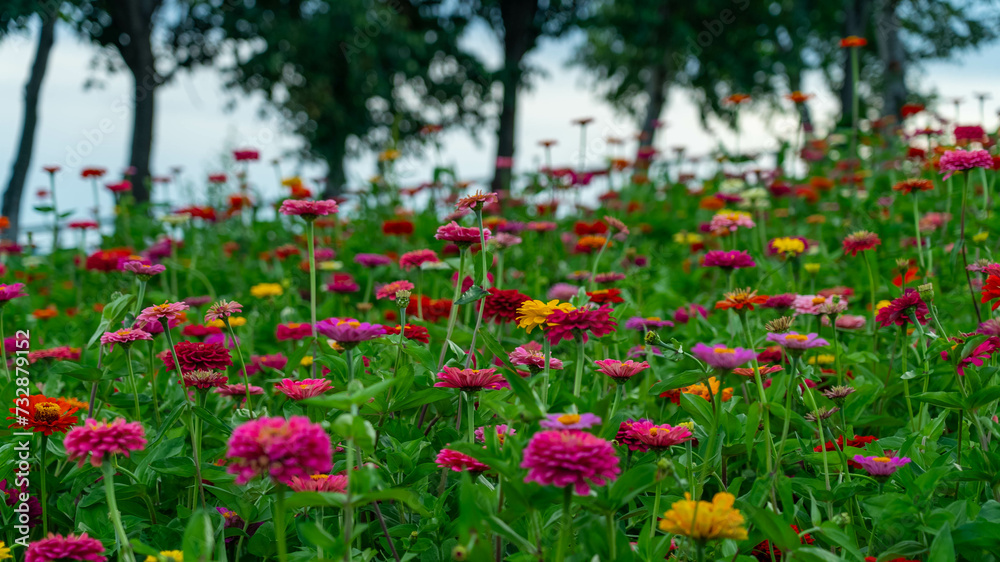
(469, 380)
(978, 355)
(203, 380)
(570, 458)
(899, 310)
(349, 332)
(659, 437)
(308, 210)
(580, 322)
(320, 483)
(959, 160)
(530, 355)
(722, 357)
(621, 371)
(238, 390)
(797, 341)
(461, 235)
(417, 258)
(570, 421)
(459, 462)
(95, 439)
(733, 259)
(222, 310)
(783, 301)
(279, 448)
(125, 337)
(649, 324)
(10, 292)
(372, 260)
(54, 548)
(300, 390)
(562, 291)
(143, 270)
(881, 466)
(388, 291)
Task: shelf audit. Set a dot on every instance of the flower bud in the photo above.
(926, 291)
(459, 553)
(842, 519)
(403, 298)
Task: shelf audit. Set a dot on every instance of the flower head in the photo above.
(388, 291)
(959, 160)
(580, 322)
(659, 437)
(797, 341)
(704, 521)
(570, 421)
(478, 200)
(125, 337)
(853, 41)
(319, 483)
(461, 235)
(198, 356)
(459, 462)
(417, 258)
(143, 270)
(898, 311)
(721, 357)
(95, 439)
(651, 323)
(203, 379)
(300, 390)
(349, 332)
(788, 246)
(469, 380)
(279, 448)
(306, 209)
(167, 556)
(741, 299)
(171, 311)
(265, 290)
(913, 185)
(620, 371)
(534, 313)
(730, 221)
(56, 548)
(372, 260)
(860, 241)
(530, 355)
(733, 259)
(43, 414)
(884, 466)
(502, 431)
(222, 310)
(570, 458)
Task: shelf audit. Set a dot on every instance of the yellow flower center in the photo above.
(724, 350)
(818, 300)
(796, 337)
(568, 419)
(653, 318)
(47, 412)
(881, 459)
(319, 476)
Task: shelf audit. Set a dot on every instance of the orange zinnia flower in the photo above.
(853, 41)
(45, 313)
(740, 299)
(737, 99)
(798, 97)
(42, 414)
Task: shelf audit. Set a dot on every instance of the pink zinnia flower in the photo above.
(881, 466)
(851, 322)
(608, 277)
(143, 270)
(651, 323)
(899, 310)
(95, 439)
(477, 200)
(417, 258)
(733, 259)
(320, 483)
(570, 458)
(978, 355)
(621, 371)
(293, 331)
(125, 337)
(388, 291)
(171, 311)
(960, 160)
(860, 241)
(279, 448)
(580, 322)
(238, 390)
(530, 355)
(459, 462)
(342, 283)
(562, 291)
(306, 209)
(10, 292)
(222, 310)
(731, 221)
(570, 421)
(349, 332)
(502, 431)
(469, 380)
(659, 436)
(797, 341)
(372, 260)
(722, 357)
(55, 548)
(461, 235)
(203, 380)
(300, 390)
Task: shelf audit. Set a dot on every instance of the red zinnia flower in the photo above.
(578, 322)
(853, 41)
(502, 304)
(42, 414)
(860, 241)
(898, 311)
(991, 290)
(196, 356)
(603, 296)
(914, 184)
(415, 333)
(397, 227)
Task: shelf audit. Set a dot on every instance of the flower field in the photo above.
(754, 366)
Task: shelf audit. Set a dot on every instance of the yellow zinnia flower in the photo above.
(980, 237)
(264, 290)
(306, 361)
(704, 521)
(812, 268)
(822, 359)
(788, 246)
(5, 552)
(534, 313)
(881, 305)
(234, 321)
(168, 556)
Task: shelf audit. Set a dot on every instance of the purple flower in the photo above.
(647, 324)
(563, 291)
(570, 421)
(143, 270)
(722, 357)
(372, 260)
(795, 340)
(349, 332)
(881, 466)
(733, 259)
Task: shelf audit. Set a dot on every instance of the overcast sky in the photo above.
(195, 130)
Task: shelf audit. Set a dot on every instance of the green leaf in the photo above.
(520, 386)
(472, 295)
(174, 466)
(199, 538)
(698, 407)
(942, 399)
(943, 547)
(421, 397)
(343, 400)
(314, 499)
(774, 528)
(316, 535)
(77, 371)
(983, 397)
(212, 420)
(681, 380)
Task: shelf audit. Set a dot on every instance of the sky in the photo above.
(196, 130)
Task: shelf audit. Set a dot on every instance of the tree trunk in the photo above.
(892, 53)
(336, 178)
(145, 81)
(519, 37)
(32, 90)
(795, 85)
(656, 91)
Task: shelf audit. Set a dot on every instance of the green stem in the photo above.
(453, 315)
(471, 408)
(311, 248)
(243, 364)
(567, 524)
(190, 412)
(546, 356)
(142, 297)
(578, 378)
(125, 548)
(3, 348)
(822, 436)
(131, 377)
(916, 230)
(765, 412)
(597, 260)
(905, 351)
(656, 510)
(279, 523)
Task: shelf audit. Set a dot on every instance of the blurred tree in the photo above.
(369, 72)
(14, 17)
(519, 24)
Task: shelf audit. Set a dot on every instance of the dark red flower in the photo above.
(196, 356)
(764, 550)
(580, 322)
(625, 437)
(415, 333)
(397, 227)
(602, 296)
(898, 311)
(502, 304)
(859, 442)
